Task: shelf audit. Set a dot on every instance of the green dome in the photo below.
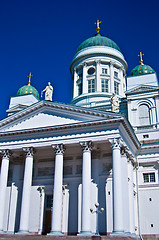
(141, 70)
(28, 89)
(98, 40)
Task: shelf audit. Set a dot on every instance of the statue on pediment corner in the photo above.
(115, 103)
(48, 92)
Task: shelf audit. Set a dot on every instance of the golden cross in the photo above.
(98, 27)
(29, 78)
(141, 60)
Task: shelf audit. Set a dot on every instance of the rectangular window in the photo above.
(49, 201)
(104, 71)
(149, 177)
(116, 74)
(104, 83)
(91, 85)
(116, 88)
(79, 89)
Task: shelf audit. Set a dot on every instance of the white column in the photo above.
(86, 188)
(25, 207)
(111, 78)
(56, 227)
(3, 184)
(75, 87)
(125, 191)
(85, 85)
(131, 197)
(98, 80)
(118, 228)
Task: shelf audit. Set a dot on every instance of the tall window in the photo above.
(79, 88)
(104, 83)
(91, 85)
(116, 88)
(116, 74)
(144, 115)
(104, 71)
(149, 177)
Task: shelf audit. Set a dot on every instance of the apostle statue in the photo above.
(48, 92)
(115, 103)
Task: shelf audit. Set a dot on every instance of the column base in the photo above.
(23, 232)
(10, 232)
(55, 233)
(2, 232)
(125, 234)
(118, 233)
(85, 233)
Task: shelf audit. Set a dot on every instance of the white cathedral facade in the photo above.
(59, 160)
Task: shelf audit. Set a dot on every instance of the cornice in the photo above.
(77, 126)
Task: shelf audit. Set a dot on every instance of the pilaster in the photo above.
(98, 80)
(111, 77)
(85, 87)
(75, 87)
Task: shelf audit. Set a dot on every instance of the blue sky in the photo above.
(42, 36)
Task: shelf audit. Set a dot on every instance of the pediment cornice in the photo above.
(55, 105)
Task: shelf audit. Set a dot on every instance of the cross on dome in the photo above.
(141, 60)
(98, 27)
(29, 78)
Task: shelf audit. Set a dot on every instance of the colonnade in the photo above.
(98, 75)
(118, 190)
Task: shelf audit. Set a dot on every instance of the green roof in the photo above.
(28, 89)
(98, 40)
(141, 70)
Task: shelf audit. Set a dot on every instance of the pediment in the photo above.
(48, 114)
(142, 88)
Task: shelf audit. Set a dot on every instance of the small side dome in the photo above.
(28, 89)
(98, 40)
(141, 70)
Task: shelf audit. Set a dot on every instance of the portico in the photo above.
(62, 155)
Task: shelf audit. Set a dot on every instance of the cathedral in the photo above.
(89, 167)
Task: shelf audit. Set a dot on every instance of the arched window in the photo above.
(144, 115)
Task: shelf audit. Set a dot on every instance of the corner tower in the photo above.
(98, 70)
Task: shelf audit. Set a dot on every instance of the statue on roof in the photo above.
(115, 103)
(48, 92)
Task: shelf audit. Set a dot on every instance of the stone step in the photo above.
(44, 237)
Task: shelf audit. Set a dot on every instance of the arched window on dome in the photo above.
(144, 115)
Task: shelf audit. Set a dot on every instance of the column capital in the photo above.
(116, 143)
(124, 150)
(59, 148)
(111, 63)
(84, 64)
(29, 151)
(6, 153)
(98, 61)
(86, 146)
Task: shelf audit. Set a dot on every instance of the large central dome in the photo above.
(98, 40)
